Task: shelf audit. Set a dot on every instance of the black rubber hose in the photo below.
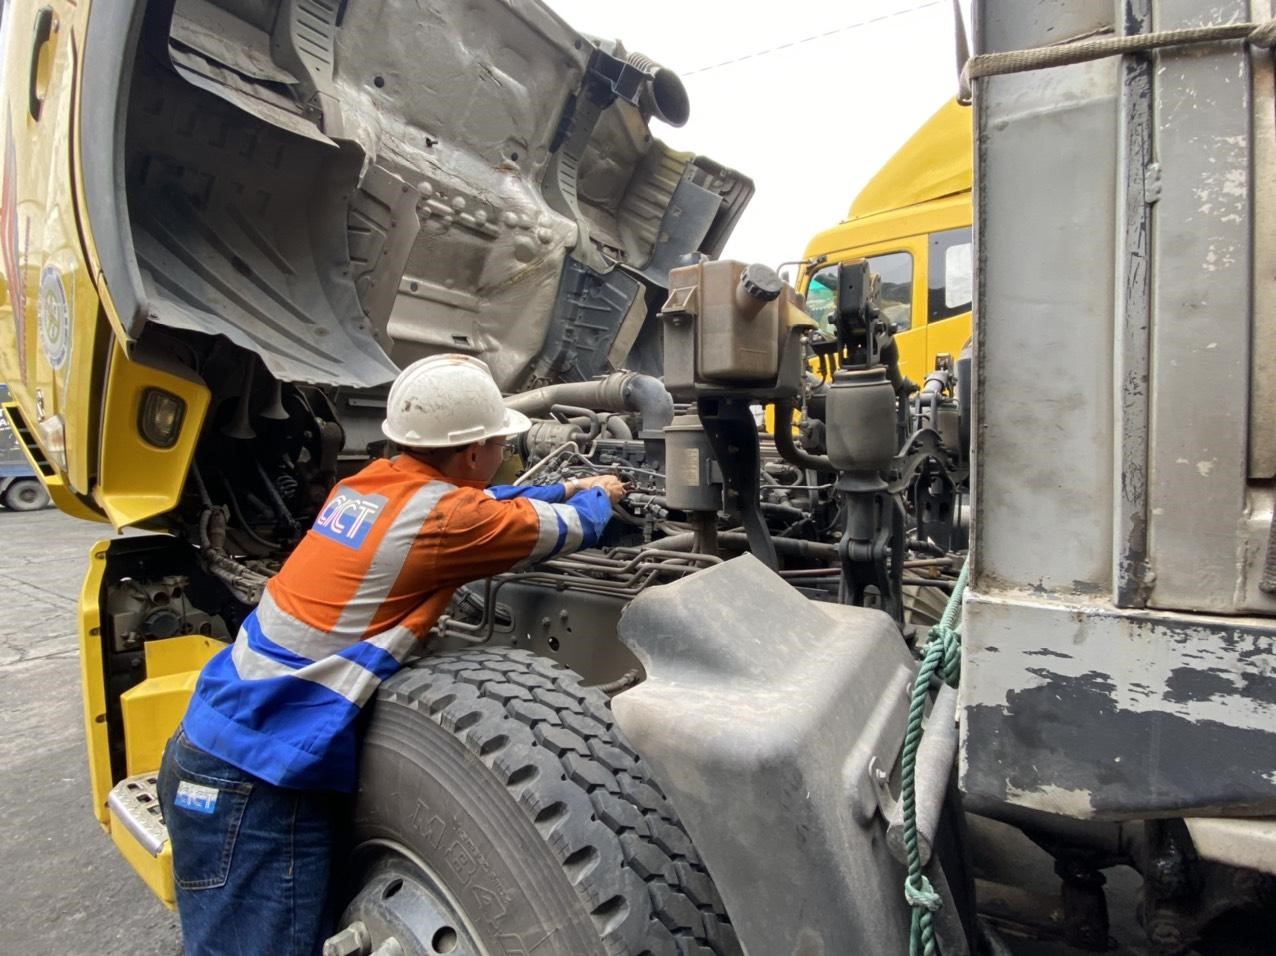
(739, 541)
(787, 448)
(890, 358)
(618, 429)
(573, 414)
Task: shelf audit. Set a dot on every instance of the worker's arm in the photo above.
(483, 535)
(555, 493)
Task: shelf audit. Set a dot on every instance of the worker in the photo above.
(254, 785)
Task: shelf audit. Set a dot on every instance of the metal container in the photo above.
(692, 482)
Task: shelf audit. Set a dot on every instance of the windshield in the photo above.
(896, 271)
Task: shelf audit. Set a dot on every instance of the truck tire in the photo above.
(26, 494)
(500, 810)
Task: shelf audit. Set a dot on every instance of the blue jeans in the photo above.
(251, 861)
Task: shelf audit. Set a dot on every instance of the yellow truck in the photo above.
(224, 225)
(911, 222)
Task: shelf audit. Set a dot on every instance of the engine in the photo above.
(768, 434)
(863, 501)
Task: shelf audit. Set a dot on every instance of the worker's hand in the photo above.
(613, 486)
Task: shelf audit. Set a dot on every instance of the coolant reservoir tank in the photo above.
(727, 325)
(739, 327)
(860, 419)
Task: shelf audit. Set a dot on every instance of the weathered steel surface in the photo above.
(1114, 420)
(1044, 304)
(1197, 461)
(1081, 709)
(1139, 188)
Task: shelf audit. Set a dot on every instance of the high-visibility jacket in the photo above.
(363, 587)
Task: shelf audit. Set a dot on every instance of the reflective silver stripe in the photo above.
(253, 665)
(398, 642)
(296, 636)
(548, 534)
(352, 681)
(575, 532)
(388, 562)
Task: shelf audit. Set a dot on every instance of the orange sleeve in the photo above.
(481, 536)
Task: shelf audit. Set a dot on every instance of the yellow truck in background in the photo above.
(912, 224)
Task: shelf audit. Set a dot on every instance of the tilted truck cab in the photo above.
(226, 225)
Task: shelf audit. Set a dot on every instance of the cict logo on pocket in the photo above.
(196, 797)
(347, 517)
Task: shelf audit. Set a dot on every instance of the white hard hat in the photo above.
(447, 400)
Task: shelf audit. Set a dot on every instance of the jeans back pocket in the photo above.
(203, 807)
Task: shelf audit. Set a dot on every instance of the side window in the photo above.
(896, 271)
(951, 274)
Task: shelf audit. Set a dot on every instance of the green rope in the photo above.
(942, 653)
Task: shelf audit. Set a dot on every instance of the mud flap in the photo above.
(762, 715)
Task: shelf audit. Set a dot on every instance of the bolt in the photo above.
(354, 940)
(1166, 875)
(1165, 933)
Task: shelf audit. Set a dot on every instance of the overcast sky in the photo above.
(807, 97)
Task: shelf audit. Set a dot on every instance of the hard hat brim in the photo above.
(515, 424)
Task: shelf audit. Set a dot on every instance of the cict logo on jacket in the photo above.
(348, 516)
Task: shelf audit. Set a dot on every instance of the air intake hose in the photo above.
(618, 392)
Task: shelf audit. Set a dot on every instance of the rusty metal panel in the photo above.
(1138, 190)
(1090, 712)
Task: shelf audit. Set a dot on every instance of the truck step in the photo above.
(134, 802)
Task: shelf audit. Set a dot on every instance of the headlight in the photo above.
(53, 439)
(160, 418)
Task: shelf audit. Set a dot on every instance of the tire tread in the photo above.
(555, 747)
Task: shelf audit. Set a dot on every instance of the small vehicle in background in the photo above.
(20, 487)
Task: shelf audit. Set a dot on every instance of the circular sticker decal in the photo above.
(54, 318)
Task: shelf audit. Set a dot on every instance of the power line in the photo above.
(815, 36)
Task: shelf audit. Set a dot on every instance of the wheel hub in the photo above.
(402, 909)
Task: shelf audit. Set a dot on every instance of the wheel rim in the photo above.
(400, 897)
(28, 496)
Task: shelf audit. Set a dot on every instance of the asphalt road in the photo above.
(65, 890)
